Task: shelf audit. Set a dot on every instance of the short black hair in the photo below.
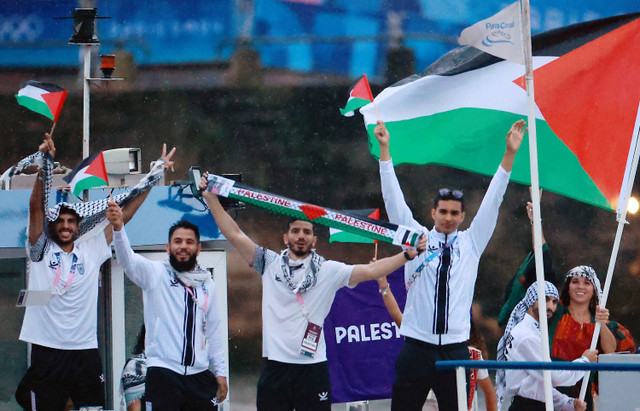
(446, 197)
(67, 210)
(293, 220)
(187, 225)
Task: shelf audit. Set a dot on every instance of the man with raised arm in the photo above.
(298, 288)
(184, 343)
(65, 362)
(441, 283)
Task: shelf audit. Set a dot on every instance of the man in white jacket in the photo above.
(440, 284)
(183, 344)
(522, 342)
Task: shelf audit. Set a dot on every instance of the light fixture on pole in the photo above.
(107, 65)
(84, 34)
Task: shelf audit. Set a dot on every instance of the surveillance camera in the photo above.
(123, 161)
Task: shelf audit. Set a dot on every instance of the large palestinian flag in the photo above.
(44, 98)
(587, 90)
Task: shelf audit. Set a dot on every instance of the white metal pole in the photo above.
(85, 106)
(625, 194)
(461, 388)
(535, 199)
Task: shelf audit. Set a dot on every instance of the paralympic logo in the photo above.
(498, 35)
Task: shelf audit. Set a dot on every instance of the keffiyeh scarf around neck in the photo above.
(309, 266)
(517, 315)
(92, 213)
(194, 278)
(588, 273)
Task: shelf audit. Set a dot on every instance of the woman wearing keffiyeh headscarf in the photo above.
(571, 328)
(522, 342)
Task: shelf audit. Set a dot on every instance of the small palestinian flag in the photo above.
(44, 98)
(91, 172)
(340, 236)
(359, 96)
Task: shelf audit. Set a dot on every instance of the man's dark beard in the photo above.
(56, 239)
(298, 253)
(188, 265)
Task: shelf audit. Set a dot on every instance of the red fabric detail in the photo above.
(362, 89)
(97, 168)
(313, 211)
(55, 101)
(474, 354)
(571, 338)
(589, 97)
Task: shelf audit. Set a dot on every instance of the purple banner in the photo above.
(363, 342)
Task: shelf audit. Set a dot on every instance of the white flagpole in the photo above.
(625, 194)
(535, 199)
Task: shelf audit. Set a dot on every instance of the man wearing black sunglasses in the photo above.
(441, 282)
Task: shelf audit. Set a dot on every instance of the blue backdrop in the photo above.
(333, 36)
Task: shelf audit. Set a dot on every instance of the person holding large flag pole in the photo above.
(519, 50)
(621, 214)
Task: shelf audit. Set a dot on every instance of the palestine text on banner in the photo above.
(376, 229)
(340, 236)
(586, 97)
(43, 98)
(359, 96)
(90, 173)
(499, 35)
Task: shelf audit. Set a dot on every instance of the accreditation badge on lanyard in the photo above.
(28, 298)
(311, 338)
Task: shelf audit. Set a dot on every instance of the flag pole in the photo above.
(535, 199)
(371, 95)
(621, 216)
(53, 127)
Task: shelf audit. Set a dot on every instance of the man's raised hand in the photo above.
(167, 157)
(515, 135)
(47, 145)
(115, 215)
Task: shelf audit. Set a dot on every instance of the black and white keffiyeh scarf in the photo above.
(517, 315)
(309, 266)
(194, 278)
(92, 213)
(133, 379)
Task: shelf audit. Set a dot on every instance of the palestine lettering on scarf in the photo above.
(267, 198)
(357, 223)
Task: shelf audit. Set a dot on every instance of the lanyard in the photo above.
(206, 298)
(430, 257)
(305, 313)
(56, 280)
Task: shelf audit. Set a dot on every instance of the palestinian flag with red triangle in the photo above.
(90, 173)
(340, 236)
(359, 96)
(587, 90)
(44, 98)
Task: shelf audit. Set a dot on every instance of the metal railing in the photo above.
(461, 365)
